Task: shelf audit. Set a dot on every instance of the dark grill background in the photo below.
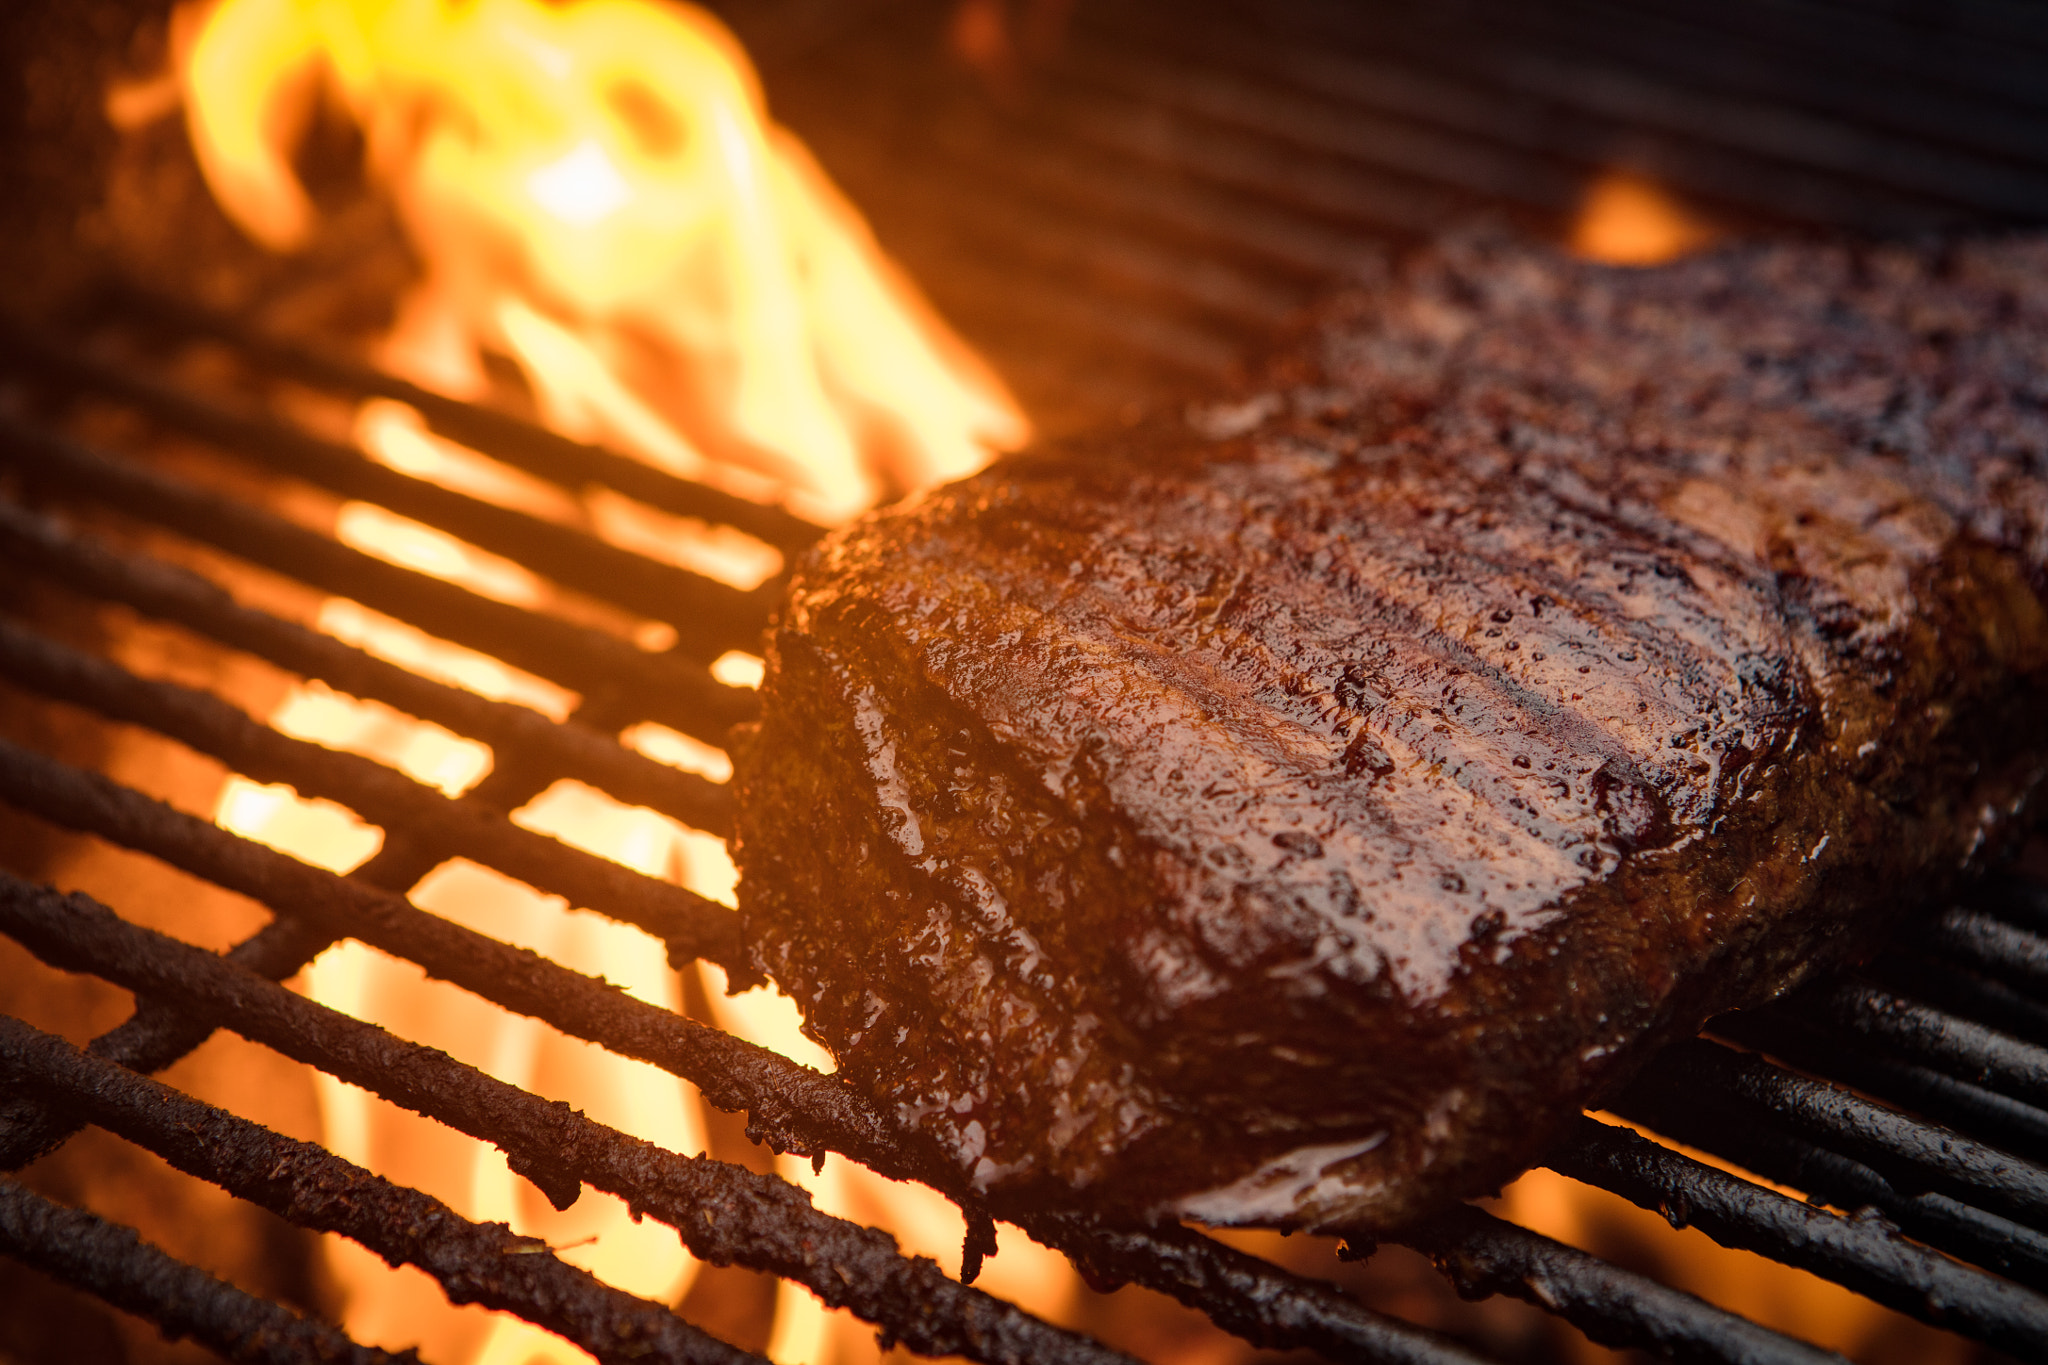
(1140, 209)
(1120, 224)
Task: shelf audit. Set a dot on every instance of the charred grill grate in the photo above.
(1949, 1225)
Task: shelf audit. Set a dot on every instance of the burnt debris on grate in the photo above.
(1943, 1219)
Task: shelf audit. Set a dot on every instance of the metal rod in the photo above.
(666, 688)
(535, 449)
(2020, 899)
(1241, 1293)
(151, 1039)
(1137, 268)
(113, 1262)
(712, 616)
(1348, 132)
(1822, 1050)
(1866, 178)
(567, 749)
(1483, 1255)
(1367, 199)
(1967, 993)
(1754, 1138)
(484, 1263)
(1865, 1255)
(724, 1213)
(689, 924)
(1288, 247)
(1397, 62)
(1896, 90)
(1989, 944)
(1912, 1153)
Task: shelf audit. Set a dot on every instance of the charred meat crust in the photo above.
(1301, 826)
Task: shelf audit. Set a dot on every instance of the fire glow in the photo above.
(594, 193)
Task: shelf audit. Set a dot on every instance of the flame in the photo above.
(597, 194)
(1628, 220)
(594, 193)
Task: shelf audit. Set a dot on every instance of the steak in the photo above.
(1295, 810)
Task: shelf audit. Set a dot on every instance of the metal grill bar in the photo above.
(151, 1039)
(671, 690)
(113, 1262)
(1598, 71)
(2021, 900)
(482, 1263)
(1850, 58)
(1931, 1093)
(1751, 1136)
(1485, 1255)
(718, 617)
(791, 1107)
(1961, 1047)
(1863, 1254)
(538, 451)
(724, 1213)
(690, 926)
(80, 564)
(1980, 939)
(1963, 991)
(1924, 1154)
(1349, 130)
(1291, 140)
(1194, 219)
(1242, 1294)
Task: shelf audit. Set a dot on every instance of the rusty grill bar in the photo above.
(1955, 1036)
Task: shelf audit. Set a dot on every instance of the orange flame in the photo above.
(1626, 219)
(597, 194)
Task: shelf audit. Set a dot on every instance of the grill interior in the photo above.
(1120, 224)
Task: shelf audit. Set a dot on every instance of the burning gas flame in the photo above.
(596, 193)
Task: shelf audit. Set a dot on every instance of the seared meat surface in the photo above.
(1294, 811)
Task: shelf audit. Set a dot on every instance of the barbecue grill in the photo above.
(1118, 224)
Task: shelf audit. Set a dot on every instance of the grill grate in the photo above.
(1955, 1034)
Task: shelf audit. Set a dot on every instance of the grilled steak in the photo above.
(1296, 810)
